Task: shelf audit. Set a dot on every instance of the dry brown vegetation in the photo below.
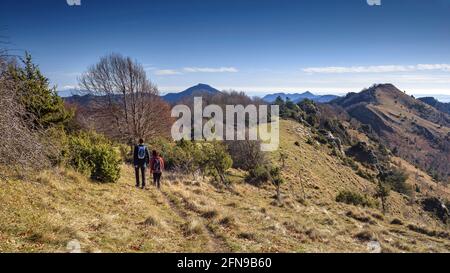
(416, 131)
(45, 212)
(20, 145)
(127, 105)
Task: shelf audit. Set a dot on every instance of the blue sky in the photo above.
(257, 46)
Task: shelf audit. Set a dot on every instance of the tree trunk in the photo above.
(383, 204)
(278, 193)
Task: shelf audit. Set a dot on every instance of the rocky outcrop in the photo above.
(362, 153)
(437, 207)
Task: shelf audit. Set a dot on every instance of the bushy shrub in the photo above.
(366, 175)
(106, 164)
(32, 116)
(185, 156)
(208, 158)
(95, 156)
(310, 141)
(165, 149)
(258, 176)
(356, 199)
(215, 160)
(264, 174)
(40, 100)
(321, 139)
(351, 163)
(20, 145)
(246, 154)
(396, 180)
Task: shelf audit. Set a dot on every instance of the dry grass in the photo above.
(46, 212)
(193, 227)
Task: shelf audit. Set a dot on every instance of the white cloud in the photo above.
(167, 72)
(378, 69)
(68, 87)
(210, 70)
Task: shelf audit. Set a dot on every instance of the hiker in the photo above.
(156, 168)
(141, 161)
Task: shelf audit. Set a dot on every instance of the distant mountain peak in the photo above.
(298, 97)
(198, 89)
(203, 85)
(441, 106)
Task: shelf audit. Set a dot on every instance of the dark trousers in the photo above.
(157, 179)
(142, 170)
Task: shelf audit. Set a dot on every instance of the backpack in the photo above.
(156, 165)
(142, 152)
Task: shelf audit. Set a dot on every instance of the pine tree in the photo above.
(383, 192)
(277, 181)
(42, 103)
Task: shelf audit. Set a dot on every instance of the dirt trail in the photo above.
(215, 243)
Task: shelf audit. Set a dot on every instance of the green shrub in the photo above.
(356, 199)
(395, 179)
(321, 139)
(106, 164)
(310, 141)
(214, 160)
(186, 156)
(166, 150)
(264, 174)
(209, 158)
(181, 156)
(351, 163)
(258, 176)
(366, 175)
(41, 101)
(95, 156)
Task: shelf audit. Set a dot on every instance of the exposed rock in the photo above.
(437, 207)
(362, 153)
(335, 141)
(73, 246)
(374, 247)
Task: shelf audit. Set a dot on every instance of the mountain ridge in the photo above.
(413, 129)
(441, 106)
(298, 97)
(198, 89)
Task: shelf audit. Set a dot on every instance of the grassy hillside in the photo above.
(418, 132)
(45, 211)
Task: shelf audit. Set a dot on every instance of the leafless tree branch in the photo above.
(127, 104)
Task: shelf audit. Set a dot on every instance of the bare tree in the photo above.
(126, 103)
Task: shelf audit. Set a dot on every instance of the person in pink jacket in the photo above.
(156, 168)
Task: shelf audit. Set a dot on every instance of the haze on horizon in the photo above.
(265, 46)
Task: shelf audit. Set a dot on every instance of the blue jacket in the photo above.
(141, 162)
